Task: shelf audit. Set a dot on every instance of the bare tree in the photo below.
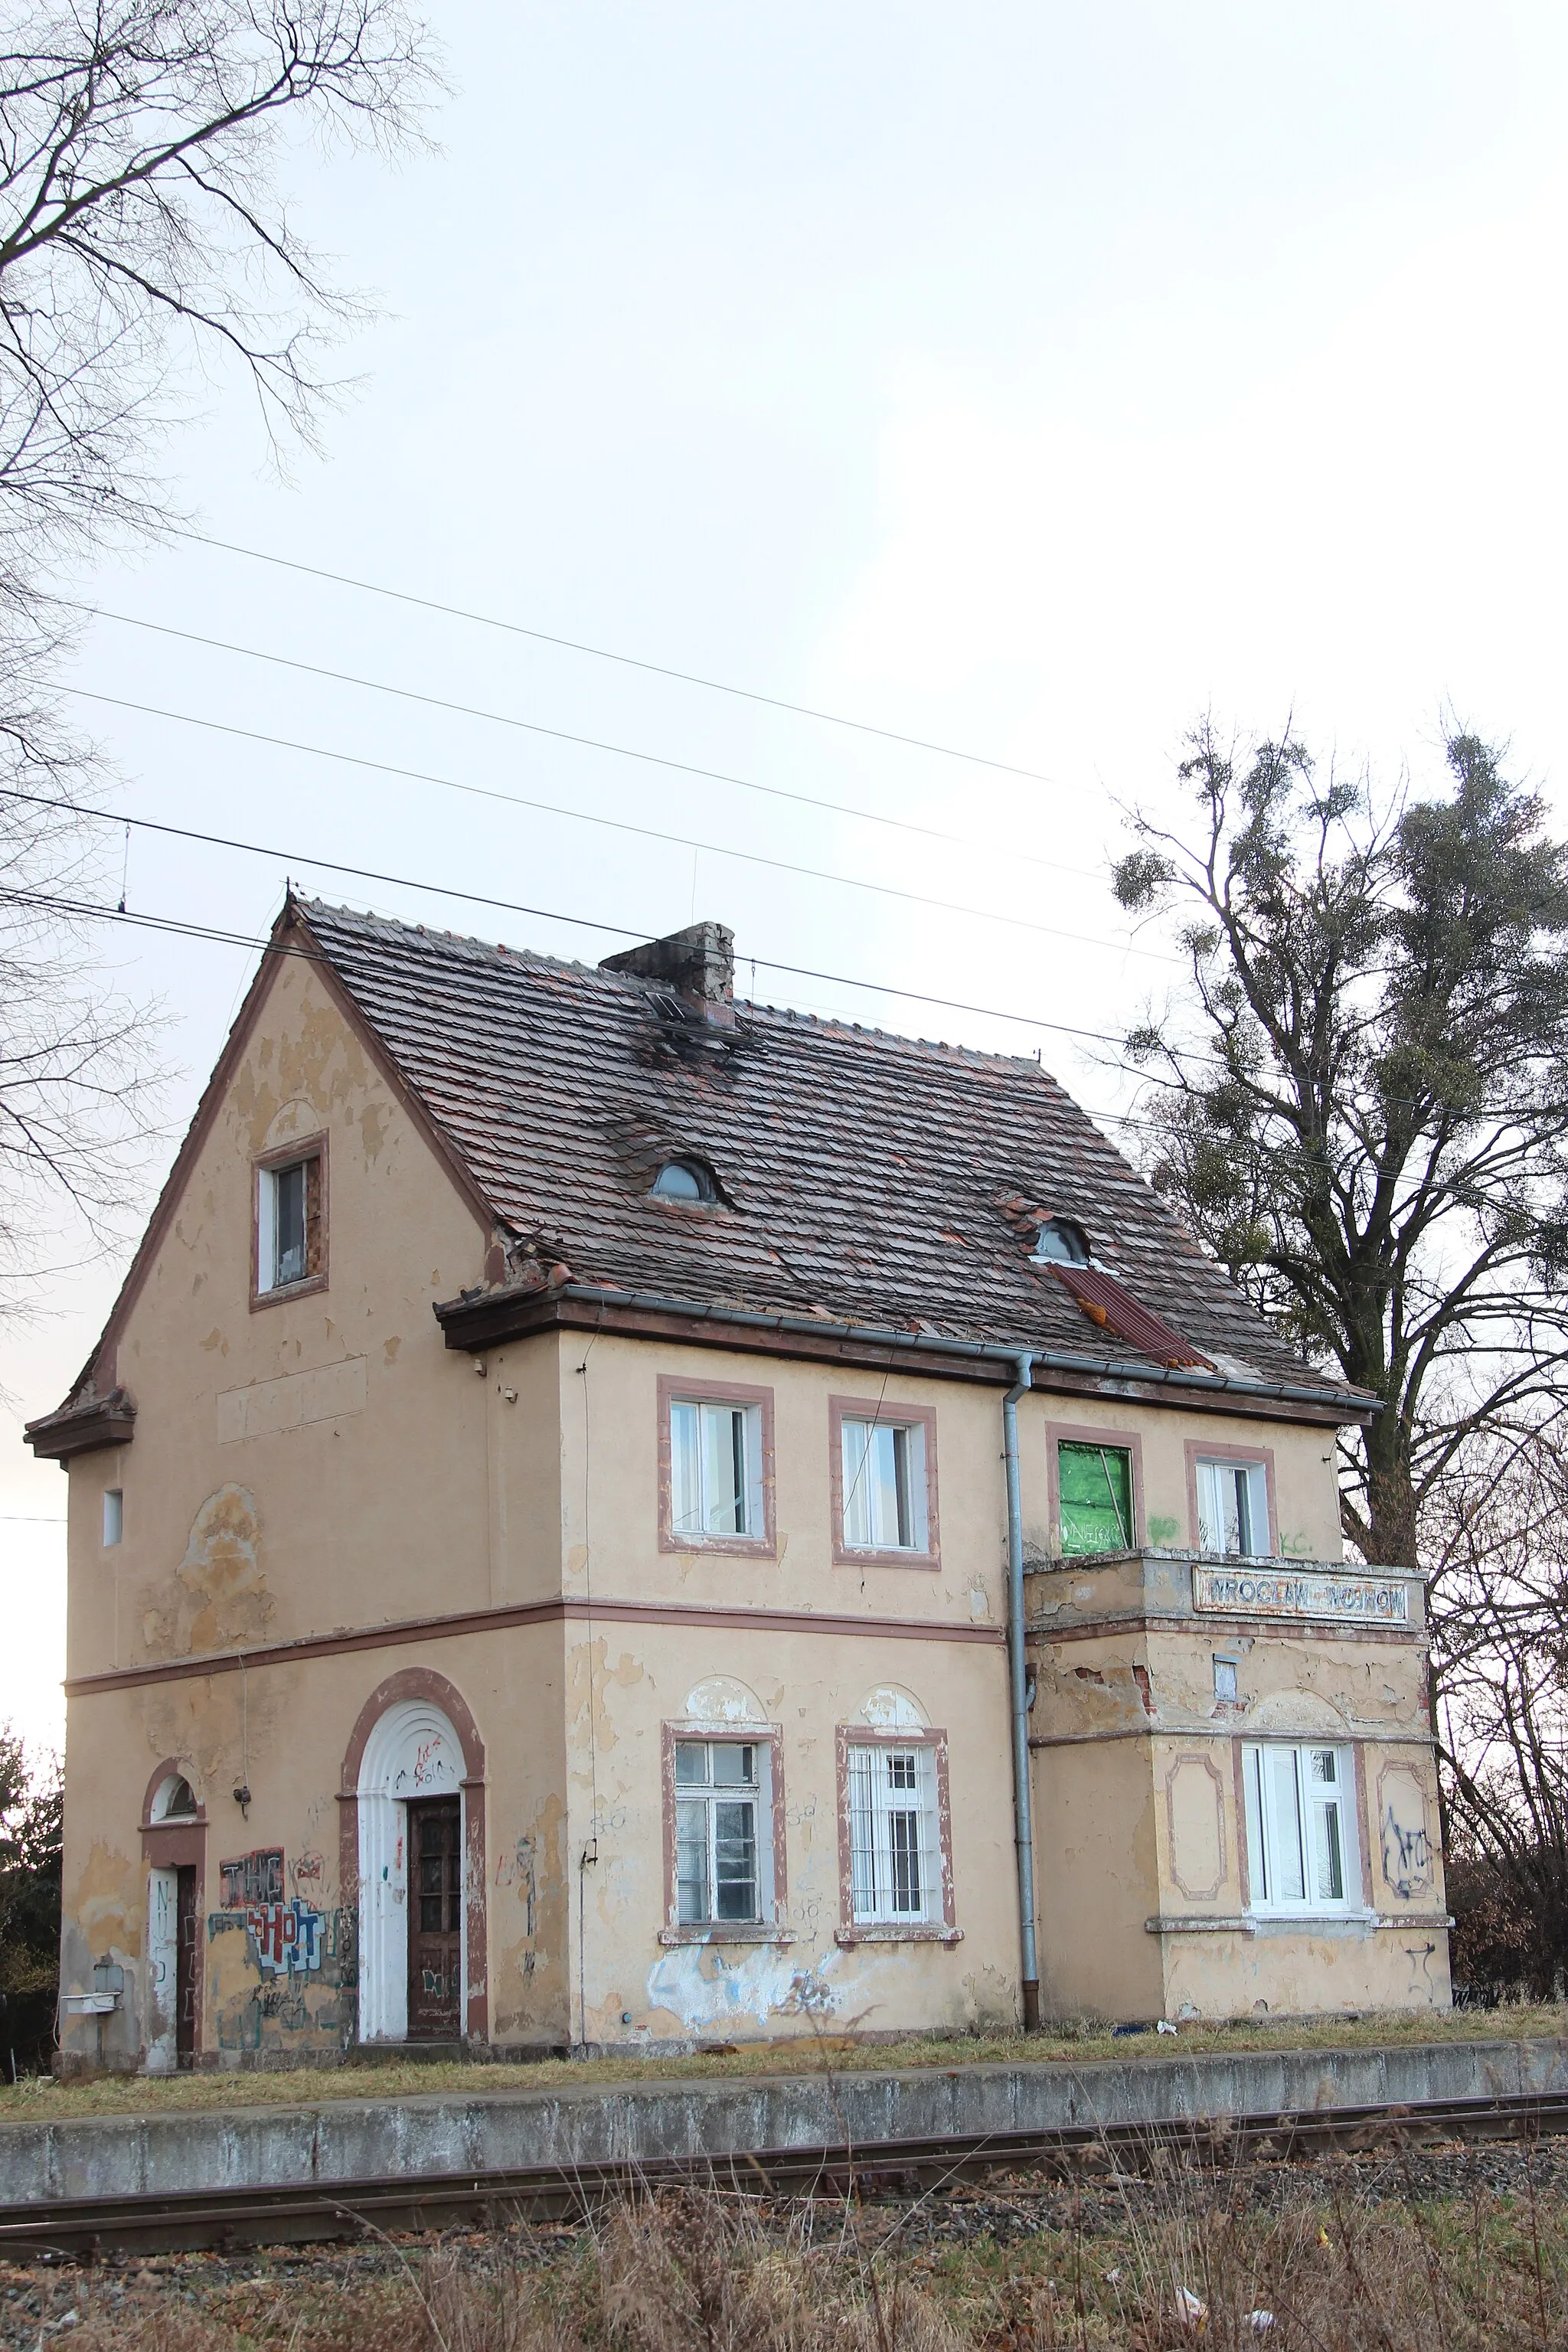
(144, 247)
(1495, 1532)
(77, 1092)
(142, 230)
(1360, 1098)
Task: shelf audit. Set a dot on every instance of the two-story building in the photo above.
(608, 1516)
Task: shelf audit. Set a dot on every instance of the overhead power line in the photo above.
(584, 742)
(626, 661)
(623, 825)
(181, 926)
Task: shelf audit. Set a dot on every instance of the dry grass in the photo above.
(1179, 2268)
(41, 2096)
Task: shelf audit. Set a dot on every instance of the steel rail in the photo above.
(85, 2227)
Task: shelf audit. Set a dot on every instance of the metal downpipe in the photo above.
(1023, 1826)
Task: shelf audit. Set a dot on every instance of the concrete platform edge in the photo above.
(424, 2134)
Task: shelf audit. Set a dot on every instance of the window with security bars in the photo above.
(718, 1792)
(884, 1465)
(895, 1851)
(715, 1469)
(1302, 1850)
(1233, 1509)
(1095, 1490)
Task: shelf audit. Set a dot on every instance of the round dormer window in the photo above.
(685, 1180)
(1061, 1242)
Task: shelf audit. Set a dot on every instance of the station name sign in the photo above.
(1279, 1592)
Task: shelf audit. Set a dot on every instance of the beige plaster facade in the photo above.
(341, 1533)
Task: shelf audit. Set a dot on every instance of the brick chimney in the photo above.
(698, 964)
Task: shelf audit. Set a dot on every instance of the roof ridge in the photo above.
(319, 908)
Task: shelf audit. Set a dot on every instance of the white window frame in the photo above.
(114, 1515)
(267, 1277)
(1288, 1805)
(1254, 1540)
(691, 1513)
(881, 1813)
(708, 1796)
(864, 1513)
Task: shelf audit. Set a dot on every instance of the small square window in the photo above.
(288, 1224)
(884, 1486)
(1233, 1509)
(1224, 1683)
(113, 1514)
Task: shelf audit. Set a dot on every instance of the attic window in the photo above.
(685, 1180)
(1061, 1242)
(290, 1252)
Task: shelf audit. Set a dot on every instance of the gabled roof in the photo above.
(864, 1178)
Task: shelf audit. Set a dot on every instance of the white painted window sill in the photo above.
(1180, 1924)
(1339, 1916)
(1253, 1923)
(725, 1931)
(872, 1931)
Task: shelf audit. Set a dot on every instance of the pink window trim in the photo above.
(1118, 1441)
(673, 1390)
(925, 1931)
(284, 1155)
(1196, 1452)
(721, 1931)
(887, 1413)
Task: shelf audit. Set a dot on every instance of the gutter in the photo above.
(1023, 1821)
(449, 1313)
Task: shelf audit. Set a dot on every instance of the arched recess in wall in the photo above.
(414, 1738)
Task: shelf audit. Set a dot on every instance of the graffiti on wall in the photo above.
(288, 1938)
(252, 1879)
(1409, 1862)
(282, 1972)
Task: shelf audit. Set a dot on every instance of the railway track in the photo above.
(83, 2228)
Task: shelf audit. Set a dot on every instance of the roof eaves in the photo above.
(1359, 1405)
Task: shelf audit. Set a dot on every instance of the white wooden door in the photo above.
(162, 1970)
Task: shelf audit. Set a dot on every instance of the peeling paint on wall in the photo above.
(703, 1985)
(528, 1915)
(588, 1675)
(217, 1596)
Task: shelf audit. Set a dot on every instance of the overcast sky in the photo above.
(1029, 379)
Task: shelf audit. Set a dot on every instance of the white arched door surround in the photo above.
(413, 1751)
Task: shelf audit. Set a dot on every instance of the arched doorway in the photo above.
(174, 1842)
(413, 1782)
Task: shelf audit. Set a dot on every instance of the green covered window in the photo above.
(1096, 1487)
